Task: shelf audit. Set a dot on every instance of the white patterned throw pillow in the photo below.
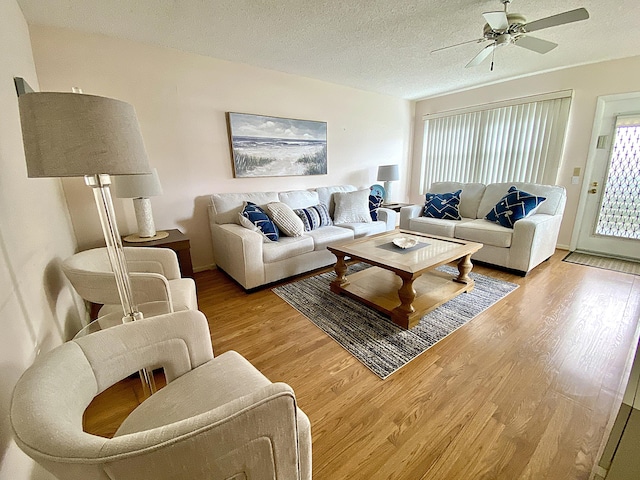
(286, 219)
(352, 207)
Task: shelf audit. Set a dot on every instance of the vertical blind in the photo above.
(516, 142)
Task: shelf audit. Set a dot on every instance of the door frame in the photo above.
(591, 160)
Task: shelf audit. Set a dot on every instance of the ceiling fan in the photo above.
(504, 28)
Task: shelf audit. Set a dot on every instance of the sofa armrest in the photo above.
(534, 240)
(238, 251)
(388, 216)
(407, 213)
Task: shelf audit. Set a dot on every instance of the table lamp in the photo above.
(78, 135)
(140, 188)
(388, 174)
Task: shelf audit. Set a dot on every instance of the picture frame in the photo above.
(266, 146)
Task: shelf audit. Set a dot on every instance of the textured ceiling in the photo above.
(377, 45)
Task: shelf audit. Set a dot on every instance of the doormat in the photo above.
(370, 336)
(607, 263)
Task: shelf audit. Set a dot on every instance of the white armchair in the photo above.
(217, 418)
(155, 280)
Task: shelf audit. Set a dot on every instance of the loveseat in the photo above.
(531, 241)
(253, 261)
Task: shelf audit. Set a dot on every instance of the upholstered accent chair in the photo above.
(217, 417)
(155, 280)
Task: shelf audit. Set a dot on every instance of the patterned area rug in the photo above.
(370, 336)
(608, 263)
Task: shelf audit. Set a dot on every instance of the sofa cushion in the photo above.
(443, 205)
(375, 202)
(286, 247)
(261, 220)
(485, 232)
(325, 195)
(285, 219)
(514, 206)
(351, 207)
(360, 229)
(299, 198)
(436, 226)
(314, 217)
(472, 194)
(227, 206)
(327, 235)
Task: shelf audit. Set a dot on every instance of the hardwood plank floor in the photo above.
(526, 390)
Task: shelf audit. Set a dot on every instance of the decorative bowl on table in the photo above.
(404, 242)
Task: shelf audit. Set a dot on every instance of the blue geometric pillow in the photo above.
(314, 217)
(515, 205)
(261, 220)
(443, 205)
(374, 204)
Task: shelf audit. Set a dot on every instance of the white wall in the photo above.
(38, 309)
(588, 83)
(181, 100)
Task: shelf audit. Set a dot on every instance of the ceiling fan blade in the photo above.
(535, 44)
(559, 19)
(480, 57)
(458, 44)
(496, 20)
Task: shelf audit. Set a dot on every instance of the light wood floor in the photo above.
(524, 391)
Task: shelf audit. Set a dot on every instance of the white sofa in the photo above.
(243, 254)
(519, 249)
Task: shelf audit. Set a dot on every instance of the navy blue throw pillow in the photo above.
(261, 220)
(374, 204)
(514, 206)
(443, 205)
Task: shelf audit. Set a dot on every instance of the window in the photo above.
(516, 141)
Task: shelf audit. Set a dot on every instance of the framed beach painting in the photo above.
(264, 146)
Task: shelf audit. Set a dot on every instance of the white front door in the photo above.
(611, 220)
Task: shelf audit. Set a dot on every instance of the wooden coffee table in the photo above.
(403, 283)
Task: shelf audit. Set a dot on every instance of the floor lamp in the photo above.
(78, 135)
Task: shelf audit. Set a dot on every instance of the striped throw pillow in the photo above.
(314, 217)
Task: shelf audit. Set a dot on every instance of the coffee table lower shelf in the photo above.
(382, 289)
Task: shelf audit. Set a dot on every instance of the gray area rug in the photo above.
(369, 335)
(608, 263)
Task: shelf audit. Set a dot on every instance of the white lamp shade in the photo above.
(73, 134)
(388, 173)
(137, 186)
